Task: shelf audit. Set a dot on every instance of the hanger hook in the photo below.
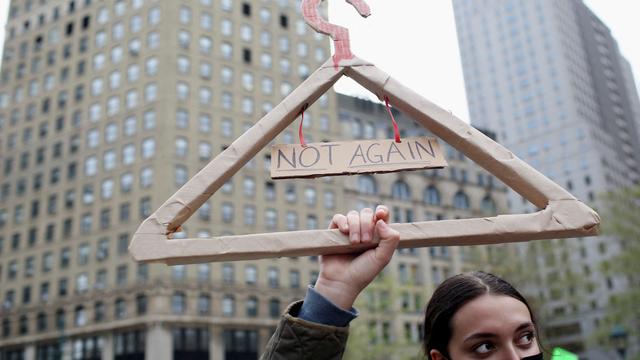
(339, 34)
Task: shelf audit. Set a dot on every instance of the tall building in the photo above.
(108, 107)
(548, 77)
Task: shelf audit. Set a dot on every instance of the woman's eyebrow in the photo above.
(524, 326)
(480, 336)
(486, 335)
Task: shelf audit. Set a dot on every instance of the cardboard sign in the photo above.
(355, 157)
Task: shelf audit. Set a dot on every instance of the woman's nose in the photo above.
(511, 353)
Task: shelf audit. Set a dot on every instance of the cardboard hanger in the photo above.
(562, 215)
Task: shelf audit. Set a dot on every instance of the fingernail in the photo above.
(354, 237)
(365, 237)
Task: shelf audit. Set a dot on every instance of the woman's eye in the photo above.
(526, 338)
(483, 348)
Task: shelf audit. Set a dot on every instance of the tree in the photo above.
(621, 211)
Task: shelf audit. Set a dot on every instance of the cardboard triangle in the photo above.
(562, 215)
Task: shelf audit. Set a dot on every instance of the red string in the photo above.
(396, 131)
(300, 133)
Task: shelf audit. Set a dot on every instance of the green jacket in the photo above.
(300, 339)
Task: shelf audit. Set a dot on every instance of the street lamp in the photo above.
(618, 339)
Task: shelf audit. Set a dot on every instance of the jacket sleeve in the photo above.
(296, 338)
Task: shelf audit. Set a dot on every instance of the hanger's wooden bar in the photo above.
(549, 223)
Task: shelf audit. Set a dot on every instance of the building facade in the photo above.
(106, 109)
(548, 77)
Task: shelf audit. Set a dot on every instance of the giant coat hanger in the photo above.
(561, 214)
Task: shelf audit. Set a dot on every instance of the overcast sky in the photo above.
(429, 62)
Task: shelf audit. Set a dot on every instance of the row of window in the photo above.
(86, 224)
(106, 190)
(82, 285)
(400, 190)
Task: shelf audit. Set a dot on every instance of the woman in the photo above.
(469, 316)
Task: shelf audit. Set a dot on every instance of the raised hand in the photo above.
(342, 277)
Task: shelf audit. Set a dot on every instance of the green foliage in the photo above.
(621, 214)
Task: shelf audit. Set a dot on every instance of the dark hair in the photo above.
(450, 296)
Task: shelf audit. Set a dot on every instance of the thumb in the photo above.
(389, 239)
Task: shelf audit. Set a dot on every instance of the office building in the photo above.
(549, 78)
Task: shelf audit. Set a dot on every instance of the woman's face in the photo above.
(491, 327)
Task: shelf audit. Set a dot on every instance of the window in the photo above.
(206, 21)
(205, 45)
(120, 309)
(107, 188)
(151, 66)
(148, 148)
(206, 70)
(184, 64)
(82, 283)
(90, 166)
(181, 175)
(84, 253)
(488, 205)
(252, 306)
(249, 215)
(292, 220)
(181, 145)
(184, 39)
(329, 199)
(226, 128)
(184, 15)
(273, 275)
(274, 308)
(226, 50)
(249, 186)
(146, 177)
(461, 200)
(128, 154)
(204, 123)
(228, 305)
(294, 279)
(109, 160)
(400, 190)
(431, 196)
(205, 95)
(204, 212)
(150, 92)
(121, 275)
(310, 196)
(178, 303)
(126, 182)
(204, 304)
(149, 120)
(271, 219)
(367, 185)
(182, 118)
(227, 212)
(228, 273)
(141, 304)
(182, 90)
(154, 16)
(153, 40)
(250, 274)
(133, 73)
(204, 271)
